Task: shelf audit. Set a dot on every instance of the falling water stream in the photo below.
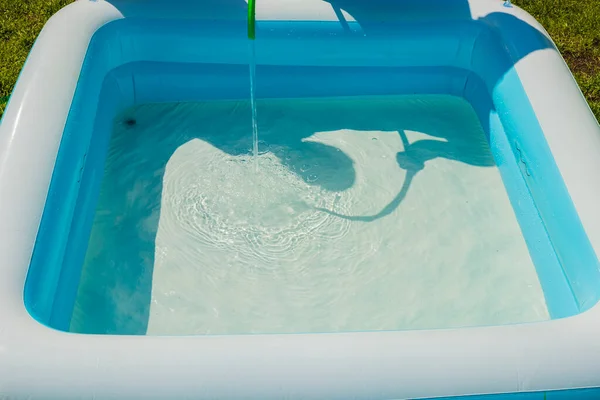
(253, 103)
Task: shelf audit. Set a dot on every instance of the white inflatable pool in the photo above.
(457, 120)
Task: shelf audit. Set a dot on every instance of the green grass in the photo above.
(573, 24)
(20, 23)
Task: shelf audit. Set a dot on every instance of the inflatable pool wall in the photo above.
(82, 71)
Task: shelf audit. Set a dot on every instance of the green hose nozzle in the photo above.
(251, 19)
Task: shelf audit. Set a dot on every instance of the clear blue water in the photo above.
(360, 225)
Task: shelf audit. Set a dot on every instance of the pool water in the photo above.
(365, 213)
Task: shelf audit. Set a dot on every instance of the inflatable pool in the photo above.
(512, 133)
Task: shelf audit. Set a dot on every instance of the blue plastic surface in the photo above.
(136, 61)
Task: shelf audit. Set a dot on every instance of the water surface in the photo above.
(377, 213)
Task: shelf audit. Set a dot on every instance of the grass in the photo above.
(573, 24)
(20, 23)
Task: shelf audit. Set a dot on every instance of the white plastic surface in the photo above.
(37, 362)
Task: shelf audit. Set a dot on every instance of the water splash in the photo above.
(253, 103)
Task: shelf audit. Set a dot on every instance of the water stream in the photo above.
(253, 103)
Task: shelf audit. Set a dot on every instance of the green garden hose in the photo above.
(251, 19)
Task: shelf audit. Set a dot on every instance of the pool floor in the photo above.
(382, 213)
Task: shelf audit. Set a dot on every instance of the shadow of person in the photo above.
(413, 159)
(380, 17)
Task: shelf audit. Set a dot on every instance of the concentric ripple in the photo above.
(269, 215)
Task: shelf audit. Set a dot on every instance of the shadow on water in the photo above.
(369, 15)
(126, 224)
